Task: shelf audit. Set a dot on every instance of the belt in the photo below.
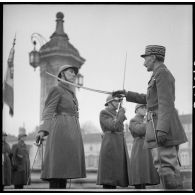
(67, 114)
(150, 114)
(114, 132)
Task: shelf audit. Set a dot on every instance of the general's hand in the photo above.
(119, 93)
(162, 137)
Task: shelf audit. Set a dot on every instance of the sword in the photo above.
(76, 85)
(158, 152)
(120, 103)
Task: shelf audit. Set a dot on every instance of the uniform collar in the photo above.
(159, 67)
(67, 87)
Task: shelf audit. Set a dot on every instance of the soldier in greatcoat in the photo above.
(113, 158)
(6, 162)
(64, 153)
(142, 168)
(164, 131)
(21, 162)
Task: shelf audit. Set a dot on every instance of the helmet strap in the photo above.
(113, 105)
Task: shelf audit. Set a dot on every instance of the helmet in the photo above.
(64, 67)
(110, 99)
(139, 105)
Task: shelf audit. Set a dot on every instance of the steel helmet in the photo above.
(110, 99)
(64, 67)
(139, 105)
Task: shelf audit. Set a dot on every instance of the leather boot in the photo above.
(62, 183)
(172, 181)
(179, 181)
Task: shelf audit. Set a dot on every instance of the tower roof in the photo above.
(59, 43)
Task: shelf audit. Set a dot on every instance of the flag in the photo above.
(8, 91)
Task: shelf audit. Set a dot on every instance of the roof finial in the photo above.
(59, 26)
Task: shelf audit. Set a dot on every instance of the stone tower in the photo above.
(55, 53)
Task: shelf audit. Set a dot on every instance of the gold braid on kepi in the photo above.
(154, 50)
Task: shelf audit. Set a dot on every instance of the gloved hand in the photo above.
(119, 93)
(162, 137)
(39, 138)
(121, 114)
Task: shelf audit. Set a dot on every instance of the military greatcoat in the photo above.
(64, 153)
(160, 100)
(113, 159)
(6, 164)
(21, 163)
(142, 170)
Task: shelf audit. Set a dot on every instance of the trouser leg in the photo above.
(166, 162)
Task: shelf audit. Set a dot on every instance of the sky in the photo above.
(103, 34)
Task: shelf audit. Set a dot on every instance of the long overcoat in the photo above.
(6, 164)
(21, 163)
(160, 100)
(64, 153)
(141, 164)
(113, 166)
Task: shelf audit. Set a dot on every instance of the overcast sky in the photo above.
(102, 34)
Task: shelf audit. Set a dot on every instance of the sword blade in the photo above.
(76, 85)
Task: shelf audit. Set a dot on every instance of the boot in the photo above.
(172, 181)
(62, 183)
(140, 186)
(108, 187)
(53, 184)
(179, 181)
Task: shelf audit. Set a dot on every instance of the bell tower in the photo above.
(56, 52)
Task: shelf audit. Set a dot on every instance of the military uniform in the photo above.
(160, 100)
(113, 169)
(6, 163)
(21, 164)
(142, 170)
(64, 153)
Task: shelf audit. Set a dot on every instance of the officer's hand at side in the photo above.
(162, 137)
(39, 137)
(119, 93)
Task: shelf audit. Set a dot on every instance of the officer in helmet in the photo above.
(113, 159)
(64, 153)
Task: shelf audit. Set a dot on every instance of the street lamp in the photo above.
(79, 79)
(34, 56)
